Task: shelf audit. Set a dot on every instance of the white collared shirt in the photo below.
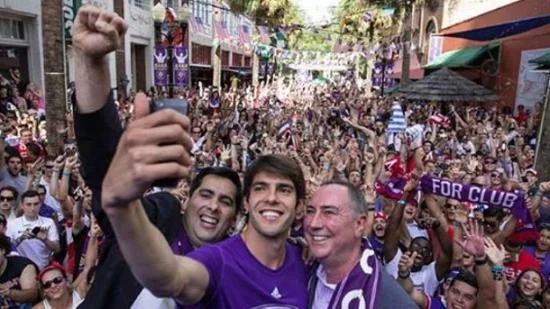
(323, 290)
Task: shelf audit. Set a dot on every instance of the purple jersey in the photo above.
(239, 280)
(182, 245)
(434, 303)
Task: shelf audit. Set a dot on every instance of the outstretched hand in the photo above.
(473, 242)
(155, 146)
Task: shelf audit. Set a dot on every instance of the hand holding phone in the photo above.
(181, 107)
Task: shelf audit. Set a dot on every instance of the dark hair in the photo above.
(5, 244)
(467, 277)
(280, 166)
(542, 280)
(29, 194)
(222, 172)
(354, 195)
(493, 212)
(11, 189)
(14, 155)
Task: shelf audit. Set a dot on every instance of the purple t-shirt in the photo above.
(239, 280)
(435, 303)
(182, 245)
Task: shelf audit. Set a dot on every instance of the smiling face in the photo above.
(410, 212)
(210, 211)
(461, 296)
(271, 203)
(54, 284)
(332, 228)
(379, 227)
(530, 284)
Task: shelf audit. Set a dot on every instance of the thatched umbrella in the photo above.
(447, 86)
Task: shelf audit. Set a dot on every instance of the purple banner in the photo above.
(160, 66)
(181, 67)
(478, 195)
(383, 74)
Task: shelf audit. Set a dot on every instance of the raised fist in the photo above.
(97, 32)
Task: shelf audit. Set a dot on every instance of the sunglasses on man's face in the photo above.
(48, 284)
(6, 198)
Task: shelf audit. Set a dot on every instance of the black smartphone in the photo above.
(181, 106)
(35, 230)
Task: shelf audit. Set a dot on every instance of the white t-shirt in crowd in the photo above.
(416, 231)
(33, 249)
(425, 279)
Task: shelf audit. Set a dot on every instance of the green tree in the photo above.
(270, 13)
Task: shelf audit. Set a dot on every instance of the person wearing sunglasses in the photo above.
(8, 197)
(56, 289)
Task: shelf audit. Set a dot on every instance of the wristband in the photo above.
(404, 275)
(402, 203)
(481, 261)
(497, 268)
(371, 208)
(66, 173)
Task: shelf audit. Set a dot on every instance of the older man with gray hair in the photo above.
(348, 270)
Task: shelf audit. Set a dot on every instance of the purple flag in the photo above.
(514, 201)
(161, 66)
(181, 67)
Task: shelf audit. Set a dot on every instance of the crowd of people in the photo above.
(292, 195)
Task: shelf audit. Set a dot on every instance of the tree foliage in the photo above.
(270, 13)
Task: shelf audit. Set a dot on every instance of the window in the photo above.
(237, 60)
(12, 29)
(201, 54)
(225, 58)
(142, 4)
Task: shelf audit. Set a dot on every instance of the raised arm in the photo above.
(391, 240)
(155, 146)
(404, 278)
(96, 34)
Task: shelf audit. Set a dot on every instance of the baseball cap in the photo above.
(380, 215)
(530, 170)
(52, 266)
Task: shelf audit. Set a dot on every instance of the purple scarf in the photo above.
(513, 201)
(360, 287)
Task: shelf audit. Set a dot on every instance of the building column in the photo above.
(217, 52)
(55, 85)
(122, 79)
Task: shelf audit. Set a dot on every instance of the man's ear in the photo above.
(361, 225)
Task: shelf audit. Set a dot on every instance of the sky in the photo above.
(318, 11)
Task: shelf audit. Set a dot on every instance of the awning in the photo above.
(468, 57)
(415, 69)
(502, 30)
(543, 62)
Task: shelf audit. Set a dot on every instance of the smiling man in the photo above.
(348, 270)
(259, 262)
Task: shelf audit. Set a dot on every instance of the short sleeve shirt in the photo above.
(425, 279)
(239, 280)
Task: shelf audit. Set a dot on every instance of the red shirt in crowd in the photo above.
(525, 261)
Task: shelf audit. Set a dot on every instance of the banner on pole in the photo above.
(161, 66)
(181, 67)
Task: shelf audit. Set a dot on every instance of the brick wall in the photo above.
(54, 73)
